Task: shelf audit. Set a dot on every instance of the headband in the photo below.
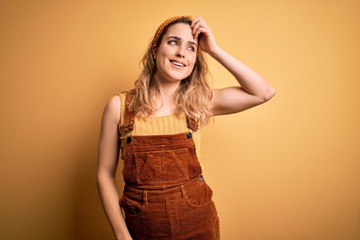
(166, 23)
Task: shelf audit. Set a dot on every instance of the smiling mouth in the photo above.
(178, 64)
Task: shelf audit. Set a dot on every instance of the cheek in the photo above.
(192, 61)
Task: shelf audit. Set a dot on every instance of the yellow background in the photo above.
(287, 170)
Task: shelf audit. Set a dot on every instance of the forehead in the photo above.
(181, 30)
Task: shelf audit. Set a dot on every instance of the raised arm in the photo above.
(107, 164)
(253, 89)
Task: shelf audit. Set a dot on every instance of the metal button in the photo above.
(189, 135)
(201, 178)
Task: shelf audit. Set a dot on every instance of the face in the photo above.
(176, 55)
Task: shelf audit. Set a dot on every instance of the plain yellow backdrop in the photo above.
(286, 170)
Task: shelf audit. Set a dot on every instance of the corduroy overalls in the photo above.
(165, 196)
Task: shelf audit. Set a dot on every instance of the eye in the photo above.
(173, 42)
(191, 48)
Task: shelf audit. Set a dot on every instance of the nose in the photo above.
(180, 52)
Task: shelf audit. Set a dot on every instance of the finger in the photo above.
(195, 20)
(200, 30)
(196, 27)
(199, 25)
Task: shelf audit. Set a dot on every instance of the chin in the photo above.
(178, 78)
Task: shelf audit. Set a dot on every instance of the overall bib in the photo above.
(165, 196)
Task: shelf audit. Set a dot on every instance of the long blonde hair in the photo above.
(193, 94)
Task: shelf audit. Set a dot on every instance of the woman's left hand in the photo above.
(203, 32)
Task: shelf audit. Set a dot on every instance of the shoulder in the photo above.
(112, 108)
(114, 102)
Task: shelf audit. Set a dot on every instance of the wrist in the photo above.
(123, 236)
(215, 52)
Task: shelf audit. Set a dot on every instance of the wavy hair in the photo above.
(193, 95)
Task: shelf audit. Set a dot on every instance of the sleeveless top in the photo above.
(163, 125)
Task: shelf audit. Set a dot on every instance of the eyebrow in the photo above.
(179, 39)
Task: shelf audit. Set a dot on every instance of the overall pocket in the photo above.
(198, 194)
(131, 206)
(159, 167)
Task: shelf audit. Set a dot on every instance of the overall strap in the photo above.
(127, 125)
(192, 123)
(128, 115)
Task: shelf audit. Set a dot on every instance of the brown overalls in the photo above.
(165, 196)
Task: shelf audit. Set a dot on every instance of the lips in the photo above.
(176, 63)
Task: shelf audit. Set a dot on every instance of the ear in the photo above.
(154, 51)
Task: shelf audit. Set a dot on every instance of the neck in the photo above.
(167, 88)
(165, 99)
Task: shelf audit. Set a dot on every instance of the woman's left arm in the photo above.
(253, 89)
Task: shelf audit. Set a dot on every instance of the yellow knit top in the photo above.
(164, 125)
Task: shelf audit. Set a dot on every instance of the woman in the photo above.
(165, 195)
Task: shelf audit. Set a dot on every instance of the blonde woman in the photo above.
(157, 125)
